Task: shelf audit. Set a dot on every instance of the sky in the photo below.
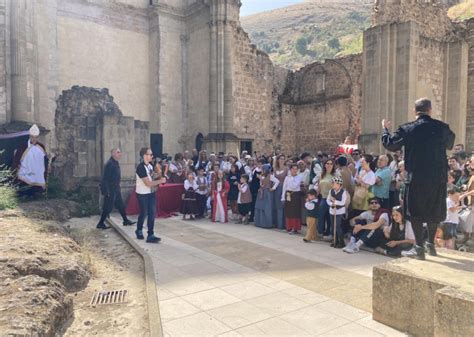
(256, 6)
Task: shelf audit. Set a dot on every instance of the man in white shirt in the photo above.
(368, 227)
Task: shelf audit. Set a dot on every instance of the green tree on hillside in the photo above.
(302, 46)
(334, 44)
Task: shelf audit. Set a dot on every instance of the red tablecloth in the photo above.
(168, 201)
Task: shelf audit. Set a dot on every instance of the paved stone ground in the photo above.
(234, 280)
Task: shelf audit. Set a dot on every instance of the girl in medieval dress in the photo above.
(280, 171)
(189, 202)
(264, 202)
(291, 197)
(234, 180)
(219, 191)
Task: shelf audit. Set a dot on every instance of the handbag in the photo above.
(359, 200)
(465, 220)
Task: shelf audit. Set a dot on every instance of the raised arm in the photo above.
(393, 142)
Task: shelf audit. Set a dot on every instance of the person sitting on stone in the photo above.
(368, 227)
(30, 164)
(399, 236)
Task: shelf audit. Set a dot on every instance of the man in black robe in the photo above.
(110, 188)
(426, 141)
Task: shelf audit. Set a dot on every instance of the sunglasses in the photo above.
(374, 203)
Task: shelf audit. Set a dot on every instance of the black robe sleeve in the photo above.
(105, 187)
(394, 142)
(450, 138)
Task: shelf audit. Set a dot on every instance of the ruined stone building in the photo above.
(100, 73)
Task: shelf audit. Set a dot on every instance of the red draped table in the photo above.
(168, 201)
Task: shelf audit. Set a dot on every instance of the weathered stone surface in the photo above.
(423, 297)
(89, 125)
(431, 16)
(454, 313)
(36, 306)
(39, 266)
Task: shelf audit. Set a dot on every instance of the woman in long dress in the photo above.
(219, 192)
(189, 202)
(264, 202)
(234, 179)
(280, 171)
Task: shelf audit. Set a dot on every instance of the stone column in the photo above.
(184, 86)
(18, 57)
(224, 19)
(4, 80)
(154, 57)
(455, 93)
(389, 79)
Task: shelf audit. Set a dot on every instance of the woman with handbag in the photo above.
(466, 215)
(364, 179)
(324, 223)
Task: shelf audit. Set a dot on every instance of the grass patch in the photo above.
(8, 194)
(352, 45)
(462, 11)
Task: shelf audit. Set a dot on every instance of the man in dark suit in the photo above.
(110, 188)
(426, 141)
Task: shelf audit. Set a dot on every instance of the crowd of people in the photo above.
(395, 203)
(350, 199)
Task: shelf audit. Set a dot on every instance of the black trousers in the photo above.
(201, 202)
(419, 231)
(29, 191)
(111, 200)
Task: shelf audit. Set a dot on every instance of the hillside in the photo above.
(462, 11)
(300, 34)
(315, 30)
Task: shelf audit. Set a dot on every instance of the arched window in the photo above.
(199, 141)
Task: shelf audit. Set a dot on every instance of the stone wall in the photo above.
(196, 76)
(256, 86)
(470, 87)
(322, 105)
(106, 46)
(429, 14)
(89, 125)
(430, 73)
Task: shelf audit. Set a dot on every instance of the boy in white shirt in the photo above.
(337, 209)
(452, 218)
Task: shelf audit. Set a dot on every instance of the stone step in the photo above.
(426, 298)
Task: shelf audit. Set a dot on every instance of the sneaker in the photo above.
(305, 240)
(153, 239)
(430, 249)
(139, 234)
(129, 222)
(102, 226)
(416, 252)
(327, 238)
(350, 245)
(352, 250)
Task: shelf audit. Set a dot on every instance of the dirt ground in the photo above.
(114, 266)
(51, 265)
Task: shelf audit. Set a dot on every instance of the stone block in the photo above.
(426, 298)
(454, 314)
